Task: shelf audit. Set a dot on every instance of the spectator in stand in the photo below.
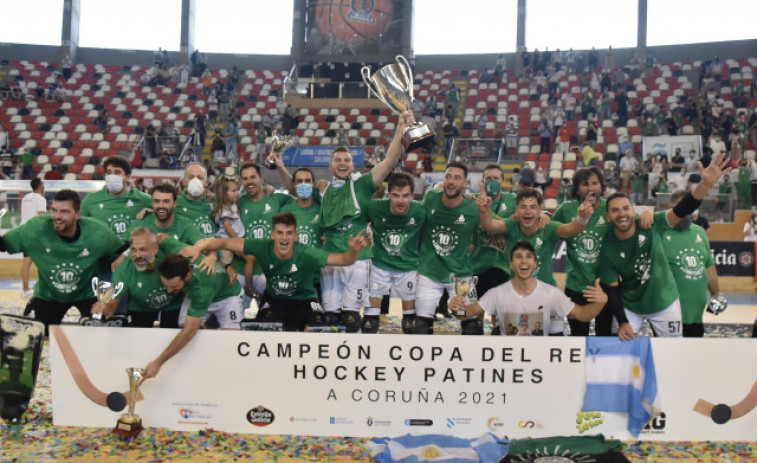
(420, 184)
(101, 121)
(589, 156)
(219, 149)
(527, 176)
(268, 124)
(678, 162)
(637, 187)
(500, 67)
(750, 228)
(587, 106)
(453, 99)
(55, 173)
(511, 133)
(700, 220)
(5, 90)
(570, 106)
(737, 144)
(628, 164)
(481, 125)
(260, 145)
(231, 134)
(207, 83)
(17, 93)
(26, 160)
(515, 180)
(563, 137)
(540, 178)
(591, 135)
(621, 99)
(545, 136)
(428, 164)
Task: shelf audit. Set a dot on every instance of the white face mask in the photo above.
(114, 183)
(195, 187)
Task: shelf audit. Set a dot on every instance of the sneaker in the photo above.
(28, 293)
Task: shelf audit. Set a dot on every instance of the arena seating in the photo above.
(65, 133)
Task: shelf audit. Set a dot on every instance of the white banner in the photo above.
(667, 144)
(390, 385)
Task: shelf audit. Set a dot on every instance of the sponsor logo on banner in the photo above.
(260, 416)
(733, 258)
(452, 422)
(418, 422)
(494, 424)
(529, 424)
(189, 414)
(588, 420)
(340, 420)
(299, 419)
(656, 425)
(370, 421)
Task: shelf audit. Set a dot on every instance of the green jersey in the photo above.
(583, 249)
(181, 229)
(65, 268)
(640, 266)
(637, 184)
(342, 213)
(204, 289)
(146, 291)
(257, 217)
(308, 227)
(396, 238)
(688, 254)
(724, 192)
(446, 237)
(291, 278)
(543, 241)
(743, 185)
(489, 251)
(117, 211)
(197, 212)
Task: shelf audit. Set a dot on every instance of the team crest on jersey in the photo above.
(267, 208)
(502, 207)
(698, 240)
(257, 229)
(460, 219)
(184, 209)
(65, 277)
(601, 220)
(293, 269)
(383, 219)
(47, 250)
(444, 240)
(623, 255)
(129, 203)
(690, 262)
(101, 205)
(411, 221)
(642, 240)
(139, 284)
(539, 242)
(315, 219)
(392, 242)
(283, 285)
(667, 237)
(176, 237)
(84, 253)
(158, 298)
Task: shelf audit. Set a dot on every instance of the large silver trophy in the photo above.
(279, 144)
(130, 424)
(393, 85)
(105, 291)
(466, 287)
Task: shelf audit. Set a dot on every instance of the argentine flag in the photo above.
(620, 377)
(437, 447)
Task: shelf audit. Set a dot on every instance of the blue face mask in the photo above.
(304, 190)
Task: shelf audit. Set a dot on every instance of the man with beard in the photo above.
(396, 225)
(67, 250)
(583, 249)
(633, 265)
(164, 220)
(289, 296)
(204, 294)
(528, 302)
(148, 298)
(195, 203)
(451, 226)
(346, 289)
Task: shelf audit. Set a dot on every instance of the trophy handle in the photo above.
(117, 290)
(365, 72)
(95, 281)
(408, 71)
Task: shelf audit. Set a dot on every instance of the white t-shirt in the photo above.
(32, 204)
(522, 313)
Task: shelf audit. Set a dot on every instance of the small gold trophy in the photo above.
(130, 424)
(466, 287)
(279, 144)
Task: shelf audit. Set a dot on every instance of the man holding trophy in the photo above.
(138, 275)
(68, 250)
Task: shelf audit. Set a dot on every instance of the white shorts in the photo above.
(345, 287)
(666, 323)
(258, 282)
(429, 293)
(402, 284)
(228, 312)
